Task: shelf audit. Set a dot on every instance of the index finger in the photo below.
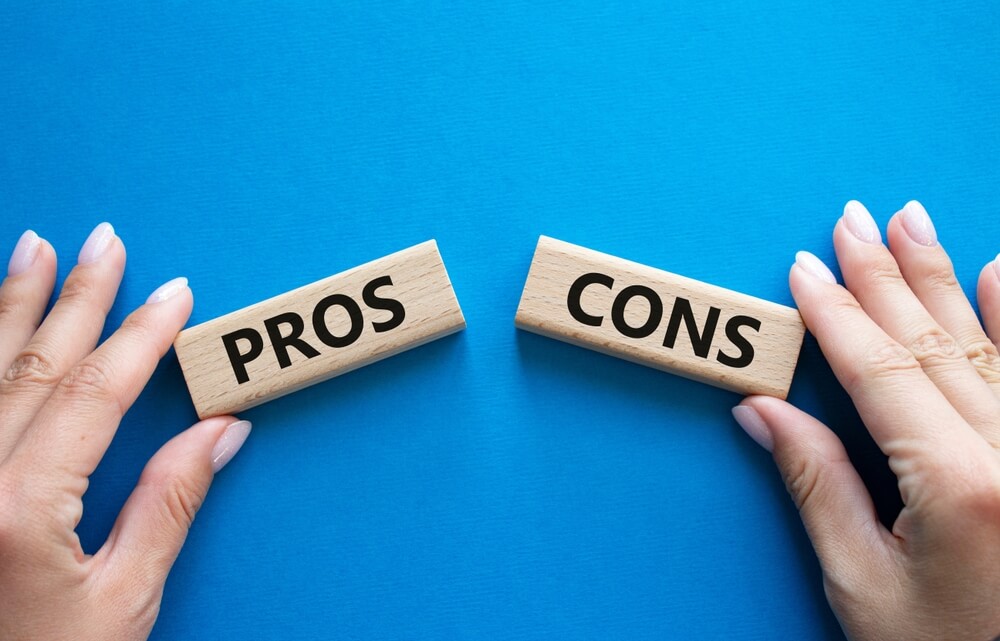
(905, 412)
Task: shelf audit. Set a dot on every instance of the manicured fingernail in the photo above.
(814, 266)
(97, 243)
(229, 444)
(167, 290)
(918, 224)
(754, 425)
(860, 223)
(25, 253)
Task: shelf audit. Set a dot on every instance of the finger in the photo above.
(906, 414)
(24, 295)
(152, 526)
(988, 295)
(68, 333)
(872, 276)
(31, 275)
(929, 273)
(853, 546)
(76, 425)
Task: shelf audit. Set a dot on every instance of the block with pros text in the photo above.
(659, 319)
(318, 331)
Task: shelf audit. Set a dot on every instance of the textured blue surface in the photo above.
(493, 484)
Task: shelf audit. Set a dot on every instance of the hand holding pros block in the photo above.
(319, 331)
(660, 319)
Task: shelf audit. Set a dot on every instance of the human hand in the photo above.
(907, 346)
(61, 401)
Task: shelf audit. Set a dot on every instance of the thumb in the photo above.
(152, 527)
(834, 504)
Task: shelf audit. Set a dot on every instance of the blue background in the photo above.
(493, 484)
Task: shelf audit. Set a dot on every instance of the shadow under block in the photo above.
(318, 331)
(659, 319)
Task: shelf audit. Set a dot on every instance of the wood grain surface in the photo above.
(345, 321)
(660, 319)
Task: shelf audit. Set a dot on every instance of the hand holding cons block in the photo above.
(318, 331)
(660, 319)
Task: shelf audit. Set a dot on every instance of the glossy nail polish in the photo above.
(918, 224)
(97, 243)
(754, 426)
(814, 266)
(167, 290)
(229, 444)
(25, 253)
(860, 223)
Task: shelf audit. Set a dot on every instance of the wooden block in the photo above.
(318, 331)
(659, 319)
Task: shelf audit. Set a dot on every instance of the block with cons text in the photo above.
(656, 318)
(318, 331)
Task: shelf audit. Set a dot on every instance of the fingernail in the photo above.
(918, 224)
(754, 425)
(25, 253)
(860, 223)
(97, 243)
(167, 290)
(814, 266)
(229, 444)
(996, 265)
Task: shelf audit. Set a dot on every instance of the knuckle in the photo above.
(139, 323)
(77, 289)
(985, 357)
(934, 344)
(140, 328)
(32, 366)
(841, 309)
(801, 479)
(881, 273)
(176, 495)
(10, 307)
(884, 361)
(843, 305)
(87, 381)
(182, 501)
(941, 277)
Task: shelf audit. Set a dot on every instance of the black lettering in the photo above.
(701, 340)
(240, 359)
(655, 311)
(352, 309)
(280, 344)
(740, 341)
(388, 304)
(576, 290)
